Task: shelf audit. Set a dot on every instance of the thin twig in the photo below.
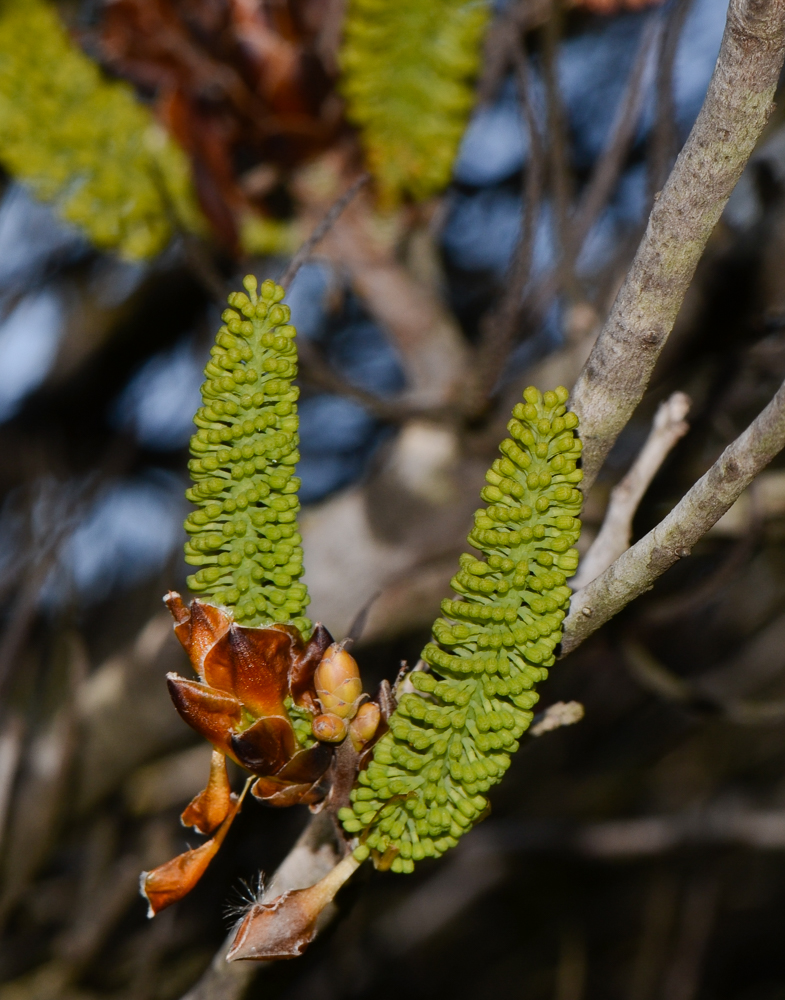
(322, 230)
(501, 42)
(609, 165)
(635, 571)
(655, 677)
(699, 912)
(616, 532)
(561, 713)
(316, 370)
(664, 138)
(328, 39)
(561, 179)
(501, 326)
(604, 176)
(734, 113)
(11, 745)
(57, 511)
(683, 604)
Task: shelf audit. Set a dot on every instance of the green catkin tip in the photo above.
(452, 736)
(407, 78)
(244, 535)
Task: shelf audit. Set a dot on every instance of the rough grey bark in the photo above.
(733, 116)
(700, 508)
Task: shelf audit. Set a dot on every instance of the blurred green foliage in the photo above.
(407, 78)
(85, 143)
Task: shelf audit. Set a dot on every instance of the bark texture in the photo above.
(733, 116)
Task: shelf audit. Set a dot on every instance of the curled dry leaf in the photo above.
(169, 882)
(210, 807)
(284, 927)
(227, 78)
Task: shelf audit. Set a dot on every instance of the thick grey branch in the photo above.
(635, 571)
(734, 113)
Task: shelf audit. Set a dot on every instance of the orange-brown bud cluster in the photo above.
(339, 690)
(257, 691)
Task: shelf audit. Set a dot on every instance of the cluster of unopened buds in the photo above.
(290, 712)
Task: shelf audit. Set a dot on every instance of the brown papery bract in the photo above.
(284, 927)
(211, 806)
(169, 882)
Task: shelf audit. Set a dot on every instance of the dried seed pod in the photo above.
(284, 927)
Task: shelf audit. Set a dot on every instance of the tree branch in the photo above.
(321, 230)
(734, 113)
(616, 531)
(635, 571)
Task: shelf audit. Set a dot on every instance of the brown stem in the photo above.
(322, 230)
(501, 325)
(609, 165)
(664, 136)
(561, 179)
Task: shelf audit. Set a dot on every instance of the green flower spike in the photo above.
(408, 70)
(451, 738)
(244, 534)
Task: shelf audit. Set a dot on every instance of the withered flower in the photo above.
(275, 704)
(171, 881)
(210, 807)
(254, 685)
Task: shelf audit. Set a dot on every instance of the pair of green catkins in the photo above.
(452, 733)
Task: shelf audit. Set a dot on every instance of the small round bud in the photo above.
(363, 727)
(337, 682)
(329, 728)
